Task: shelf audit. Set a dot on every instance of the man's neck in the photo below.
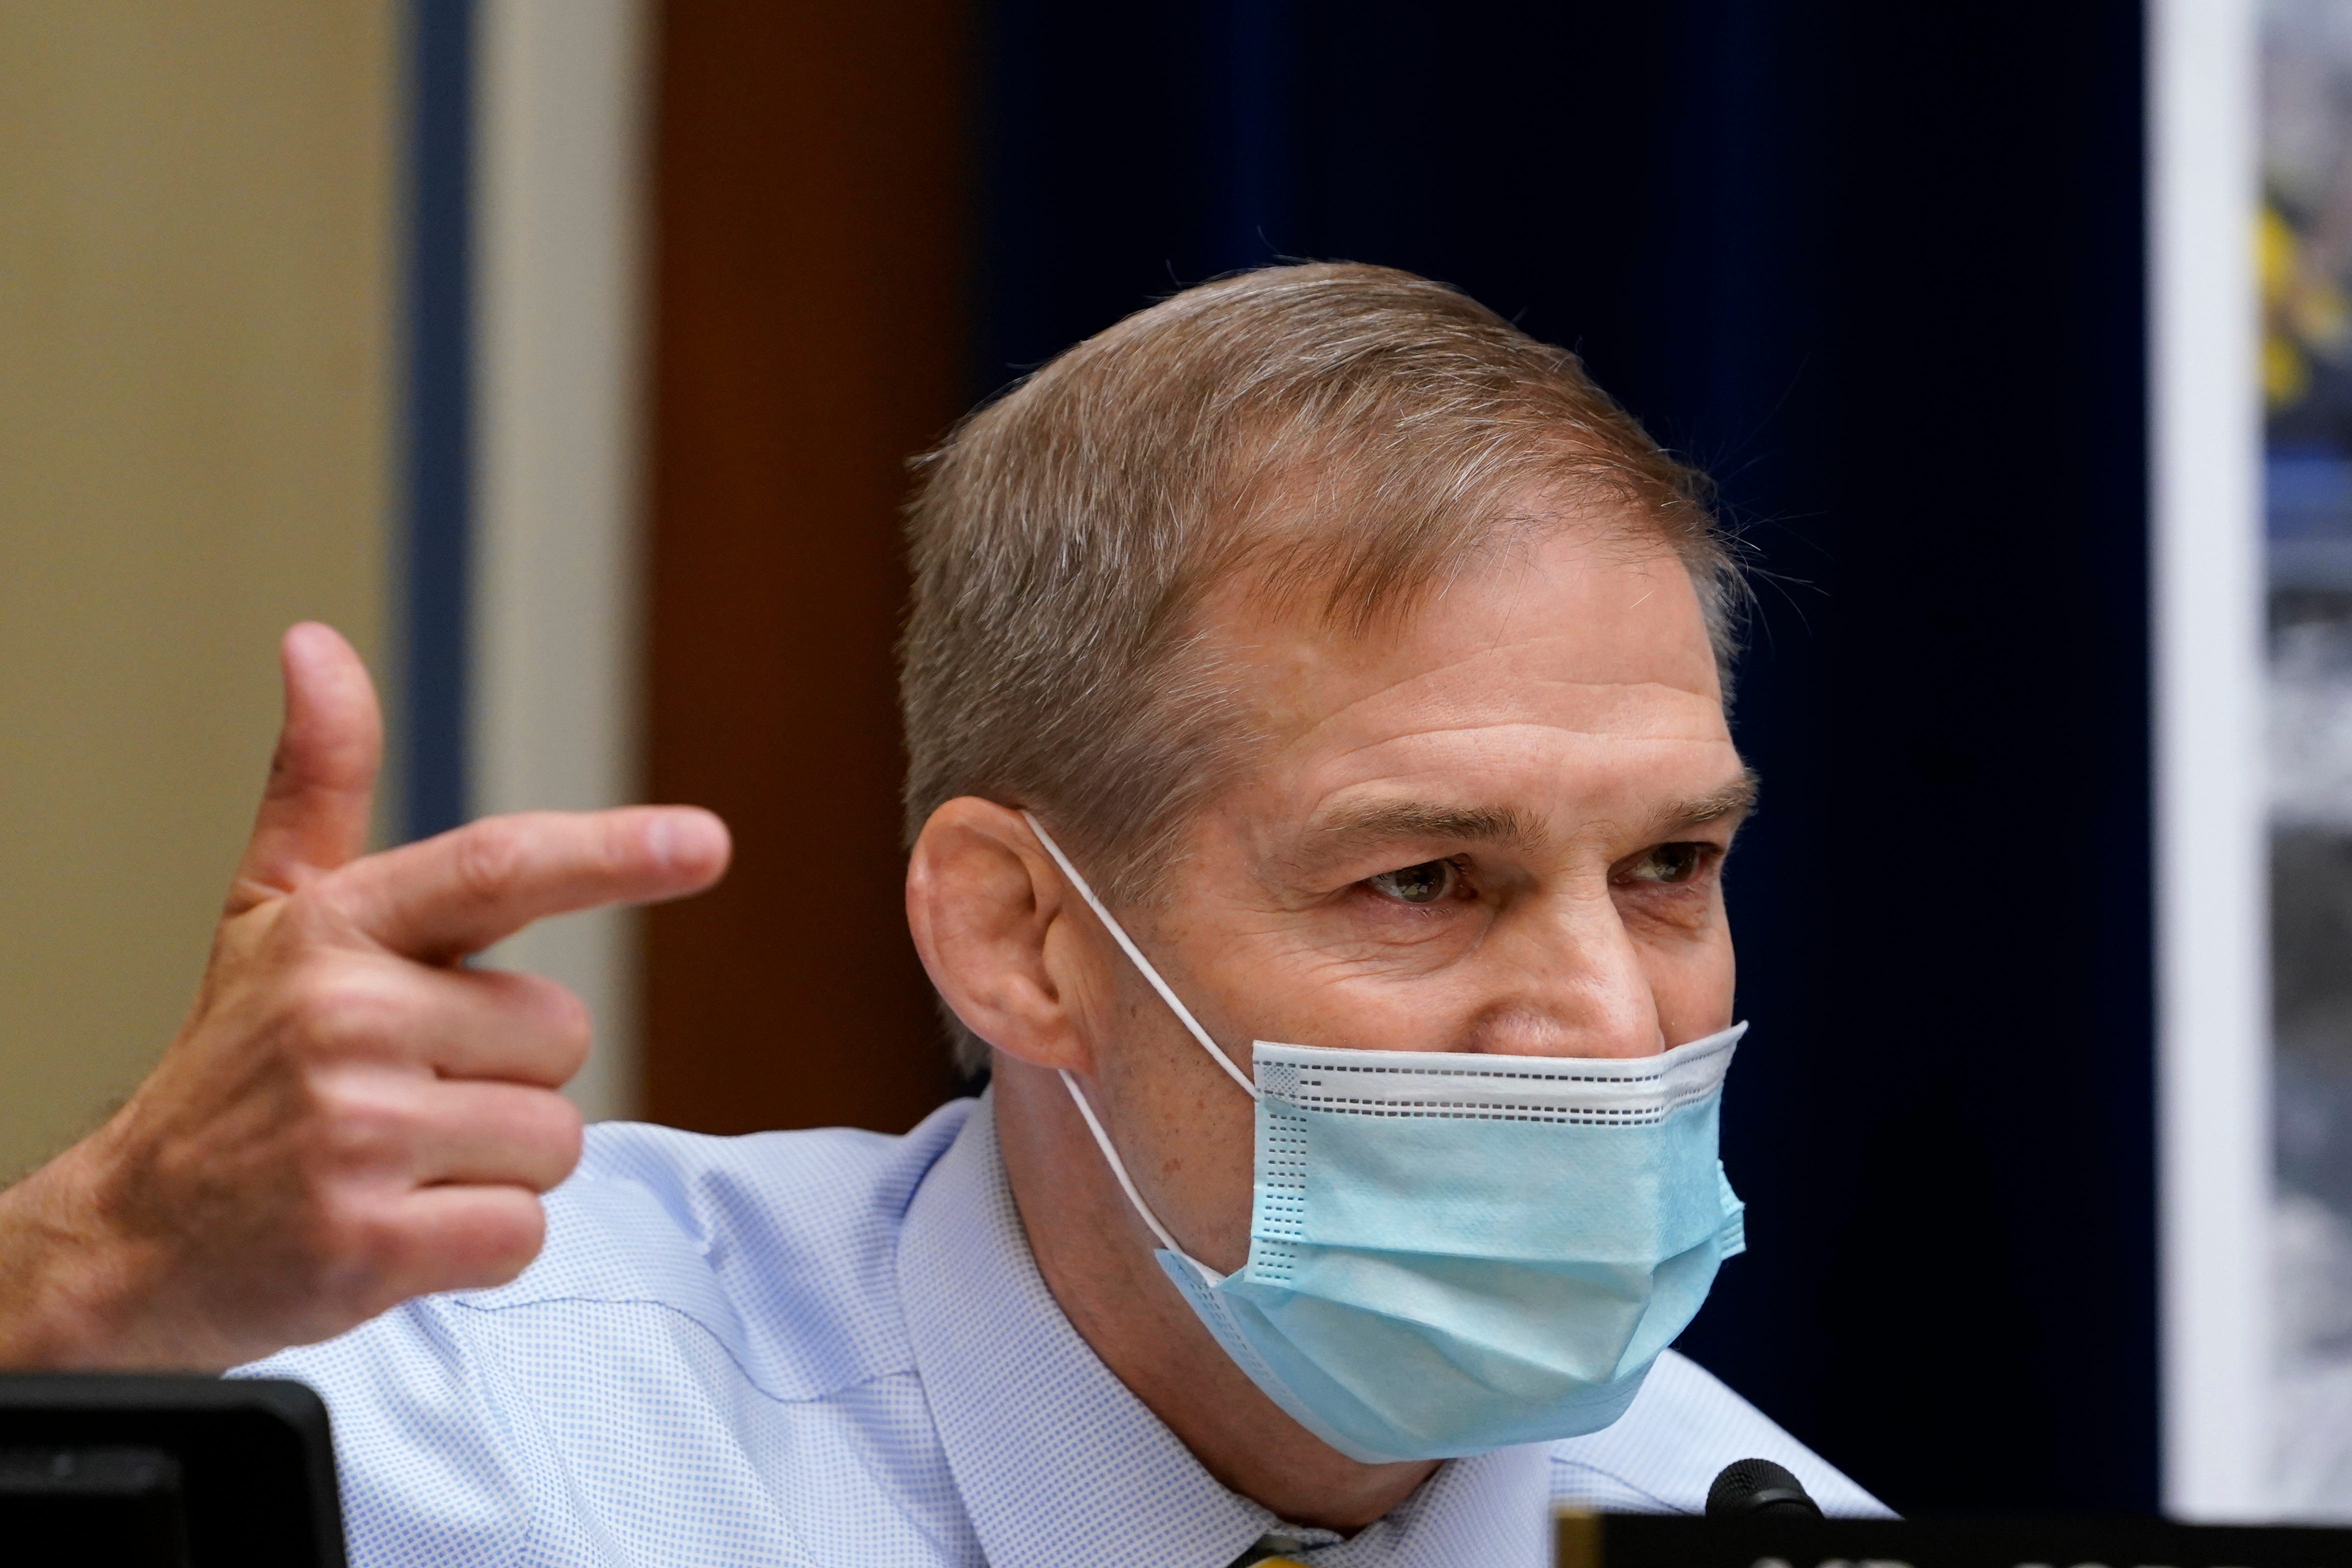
(1097, 1258)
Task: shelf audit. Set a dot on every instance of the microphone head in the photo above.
(1759, 1488)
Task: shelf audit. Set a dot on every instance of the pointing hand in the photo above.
(349, 1117)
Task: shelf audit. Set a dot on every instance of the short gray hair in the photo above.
(1339, 433)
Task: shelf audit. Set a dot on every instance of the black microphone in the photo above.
(1759, 1488)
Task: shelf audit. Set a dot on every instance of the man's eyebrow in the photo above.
(1734, 799)
(1388, 821)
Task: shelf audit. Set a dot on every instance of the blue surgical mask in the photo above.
(1452, 1253)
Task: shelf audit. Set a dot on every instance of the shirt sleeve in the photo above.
(429, 1471)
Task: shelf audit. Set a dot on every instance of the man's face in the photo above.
(1498, 827)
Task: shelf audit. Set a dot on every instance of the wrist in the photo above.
(68, 1284)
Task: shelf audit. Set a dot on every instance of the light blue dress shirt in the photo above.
(834, 1348)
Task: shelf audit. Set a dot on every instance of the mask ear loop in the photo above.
(1184, 1014)
(1119, 1168)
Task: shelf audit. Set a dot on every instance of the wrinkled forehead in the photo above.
(1567, 685)
(1585, 628)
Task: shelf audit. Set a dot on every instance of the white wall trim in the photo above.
(2212, 964)
(560, 208)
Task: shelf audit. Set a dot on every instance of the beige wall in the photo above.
(195, 341)
(554, 688)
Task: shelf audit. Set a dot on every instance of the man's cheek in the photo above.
(1694, 986)
(1360, 936)
(1348, 1009)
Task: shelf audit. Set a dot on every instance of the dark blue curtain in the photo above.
(1879, 269)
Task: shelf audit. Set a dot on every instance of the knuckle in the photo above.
(570, 1026)
(357, 1127)
(516, 1240)
(550, 1027)
(549, 1129)
(567, 1135)
(489, 860)
(357, 1243)
(620, 842)
(496, 1240)
(241, 939)
(315, 914)
(550, 1005)
(571, 1017)
(511, 1243)
(338, 1010)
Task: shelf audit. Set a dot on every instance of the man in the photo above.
(1312, 657)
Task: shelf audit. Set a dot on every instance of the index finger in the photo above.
(461, 891)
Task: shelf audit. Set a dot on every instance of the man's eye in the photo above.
(1671, 863)
(1424, 884)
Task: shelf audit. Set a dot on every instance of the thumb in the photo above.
(314, 810)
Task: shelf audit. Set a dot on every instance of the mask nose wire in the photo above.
(1184, 1014)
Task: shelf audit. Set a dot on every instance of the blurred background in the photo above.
(567, 354)
(2304, 256)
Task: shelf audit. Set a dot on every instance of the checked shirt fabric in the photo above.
(834, 1347)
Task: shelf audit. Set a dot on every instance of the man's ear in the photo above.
(990, 919)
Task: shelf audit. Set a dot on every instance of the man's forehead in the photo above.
(1573, 687)
(1583, 633)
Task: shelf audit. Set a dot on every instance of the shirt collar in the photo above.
(1057, 1460)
